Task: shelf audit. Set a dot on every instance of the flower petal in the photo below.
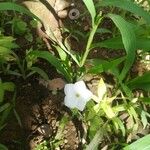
(81, 104)
(69, 88)
(86, 95)
(80, 85)
(77, 95)
(70, 102)
(82, 90)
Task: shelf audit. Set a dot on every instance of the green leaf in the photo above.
(91, 8)
(33, 24)
(95, 126)
(116, 43)
(120, 125)
(4, 51)
(14, 73)
(79, 34)
(141, 144)
(99, 65)
(96, 140)
(20, 27)
(103, 30)
(4, 115)
(3, 147)
(64, 120)
(2, 126)
(127, 5)
(144, 119)
(108, 109)
(9, 86)
(112, 43)
(145, 100)
(142, 82)
(41, 72)
(53, 61)
(7, 42)
(12, 6)
(69, 52)
(96, 65)
(143, 44)
(101, 91)
(133, 112)
(90, 112)
(4, 107)
(127, 90)
(61, 53)
(129, 42)
(29, 36)
(18, 118)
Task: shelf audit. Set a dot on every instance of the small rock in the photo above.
(65, 141)
(56, 84)
(45, 130)
(65, 132)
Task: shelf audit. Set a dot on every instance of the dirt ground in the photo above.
(37, 107)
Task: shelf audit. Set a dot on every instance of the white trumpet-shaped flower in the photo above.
(77, 95)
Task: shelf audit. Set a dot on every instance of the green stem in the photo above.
(90, 40)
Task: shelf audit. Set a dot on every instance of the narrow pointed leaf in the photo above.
(120, 125)
(127, 5)
(91, 8)
(140, 144)
(108, 109)
(145, 100)
(101, 89)
(112, 43)
(52, 60)
(96, 140)
(142, 82)
(12, 6)
(3, 147)
(144, 119)
(99, 65)
(4, 107)
(41, 72)
(129, 42)
(116, 43)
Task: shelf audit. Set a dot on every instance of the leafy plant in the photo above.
(8, 59)
(72, 65)
(105, 115)
(142, 143)
(5, 107)
(6, 56)
(26, 68)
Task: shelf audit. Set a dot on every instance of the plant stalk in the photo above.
(90, 40)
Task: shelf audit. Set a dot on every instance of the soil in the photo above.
(37, 107)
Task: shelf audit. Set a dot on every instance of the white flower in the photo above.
(77, 95)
